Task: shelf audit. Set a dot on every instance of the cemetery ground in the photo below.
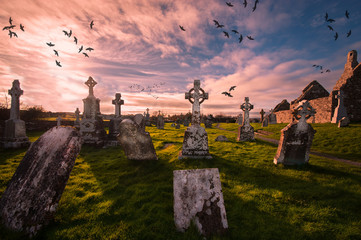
(110, 197)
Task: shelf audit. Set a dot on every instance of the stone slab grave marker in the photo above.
(147, 119)
(340, 110)
(77, 118)
(34, 191)
(58, 121)
(240, 119)
(198, 197)
(246, 131)
(296, 138)
(195, 142)
(160, 121)
(265, 122)
(272, 118)
(135, 141)
(114, 122)
(15, 130)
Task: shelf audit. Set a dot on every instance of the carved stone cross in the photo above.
(198, 95)
(91, 83)
(303, 111)
(15, 92)
(118, 102)
(262, 112)
(246, 107)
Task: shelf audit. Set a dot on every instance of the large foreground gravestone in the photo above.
(195, 142)
(198, 197)
(15, 131)
(33, 194)
(135, 141)
(246, 131)
(115, 121)
(296, 138)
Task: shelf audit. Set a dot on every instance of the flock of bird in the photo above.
(330, 21)
(228, 94)
(138, 87)
(320, 68)
(69, 34)
(12, 26)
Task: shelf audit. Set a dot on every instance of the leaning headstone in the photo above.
(344, 122)
(115, 121)
(246, 131)
(15, 130)
(77, 118)
(198, 198)
(265, 122)
(160, 121)
(33, 194)
(340, 110)
(140, 121)
(58, 121)
(296, 138)
(221, 138)
(136, 143)
(240, 119)
(195, 142)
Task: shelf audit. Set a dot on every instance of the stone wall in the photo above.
(283, 116)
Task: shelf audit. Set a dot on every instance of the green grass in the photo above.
(110, 197)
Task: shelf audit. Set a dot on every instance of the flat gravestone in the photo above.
(198, 197)
(221, 138)
(33, 194)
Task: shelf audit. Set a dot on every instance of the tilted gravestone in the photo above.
(195, 142)
(296, 138)
(198, 197)
(246, 131)
(136, 143)
(15, 131)
(33, 194)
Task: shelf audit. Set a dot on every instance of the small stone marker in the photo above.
(198, 197)
(58, 121)
(195, 142)
(15, 130)
(340, 110)
(265, 122)
(262, 112)
(114, 122)
(136, 143)
(246, 131)
(240, 119)
(296, 138)
(160, 121)
(208, 122)
(77, 118)
(272, 118)
(344, 122)
(34, 191)
(221, 138)
(147, 119)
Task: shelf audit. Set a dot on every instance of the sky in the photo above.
(138, 44)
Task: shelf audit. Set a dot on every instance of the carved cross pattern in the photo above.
(91, 83)
(118, 102)
(246, 107)
(198, 95)
(15, 92)
(303, 111)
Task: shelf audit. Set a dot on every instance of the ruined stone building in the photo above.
(325, 102)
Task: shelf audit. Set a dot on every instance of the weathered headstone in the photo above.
(136, 143)
(344, 122)
(15, 130)
(340, 110)
(195, 142)
(114, 122)
(147, 119)
(246, 131)
(77, 118)
(262, 112)
(160, 121)
(265, 122)
(58, 121)
(221, 138)
(91, 125)
(33, 194)
(208, 121)
(240, 119)
(198, 197)
(296, 138)
(272, 117)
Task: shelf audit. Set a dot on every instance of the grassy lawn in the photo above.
(109, 197)
(340, 142)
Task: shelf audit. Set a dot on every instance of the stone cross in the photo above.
(303, 112)
(262, 112)
(340, 96)
(15, 92)
(246, 107)
(118, 102)
(91, 83)
(77, 112)
(198, 97)
(58, 121)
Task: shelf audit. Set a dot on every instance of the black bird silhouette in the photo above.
(57, 63)
(250, 38)
(331, 28)
(347, 14)
(232, 88)
(326, 17)
(240, 38)
(181, 27)
(9, 27)
(229, 4)
(70, 32)
(235, 31)
(328, 70)
(89, 49)
(85, 54)
(227, 94)
(75, 40)
(12, 34)
(314, 65)
(50, 44)
(331, 20)
(22, 27)
(349, 33)
(336, 36)
(80, 49)
(56, 52)
(255, 6)
(66, 33)
(91, 24)
(226, 34)
(217, 24)
(245, 3)
(10, 21)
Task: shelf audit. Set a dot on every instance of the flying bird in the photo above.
(349, 33)
(217, 24)
(22, 27)
(328, 70)
(255, 6)
(330, 20)
(50, 44)
(329, 27)
(10, 21)
(89, 49)
(75, 40)
(66, 33)
(240, 38)
(181, 27)
(85, 54)
(227, 94)
(235, 31)
(245, 3)
(57, 63)
(9, 27)
(91, 24)
(80, 49)
(56, 52)
(336, 36)
(226, 34)
(12, 34)
(229, 4)
(250, 38)
(70, 32)
(232, 88)
(326, 17)
(347, 14)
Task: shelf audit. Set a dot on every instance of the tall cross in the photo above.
(198, 97)
(262, 112)
(15, 92)
(246, 107)
(91, 83)
(118, 102)
(303, 112)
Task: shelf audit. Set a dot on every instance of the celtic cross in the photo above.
(246, 107)
(118, 102)
(91, 83)
(15, 92)
(198, 95)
